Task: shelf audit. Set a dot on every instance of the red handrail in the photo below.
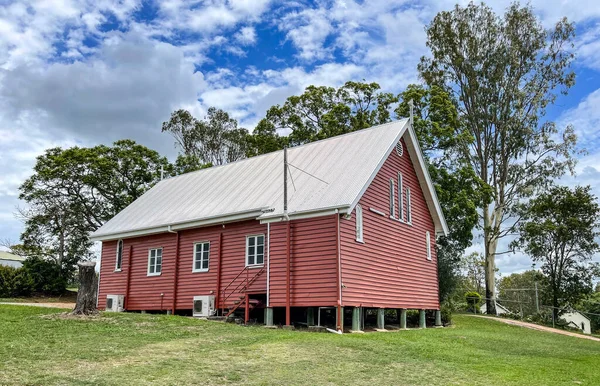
(244, 284)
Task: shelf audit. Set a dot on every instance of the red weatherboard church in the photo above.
(359, 232)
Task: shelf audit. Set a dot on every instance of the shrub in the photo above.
(473, 300)
(46, 275)
(15, 282)
(446, 310)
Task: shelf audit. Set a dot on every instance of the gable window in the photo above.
(400, 198)
(155, 261)
(119, 261)
(428, 241)
(255, 250)
(201, 256)
(359, 223)
(392, 194)
(408, 207)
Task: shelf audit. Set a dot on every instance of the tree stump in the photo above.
(88, 288)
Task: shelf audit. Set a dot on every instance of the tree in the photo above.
(323, 112)
(473, 268)
(590, 306)
(458, 188)
(518, 292)
(265, 139)
(74, 191)
(215, 140)
(503, 72)
(88, 289)
(559, 231)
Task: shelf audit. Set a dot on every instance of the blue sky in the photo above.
(83, 72)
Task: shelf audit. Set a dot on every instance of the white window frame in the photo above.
(408, 207)
(255, 264)
(155, 273)
(195, 257)
(119, 256)
(400, 197)
(428, 241)
(392, 199)
(359, 223)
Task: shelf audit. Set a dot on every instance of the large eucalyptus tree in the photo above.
(504, 72)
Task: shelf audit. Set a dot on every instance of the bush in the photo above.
(47, 276)
(15, 282)
(473, 300)
(446, 310)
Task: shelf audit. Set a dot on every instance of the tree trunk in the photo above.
(490, 262)
(88, 287)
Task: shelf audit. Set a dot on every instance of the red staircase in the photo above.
(243, 284)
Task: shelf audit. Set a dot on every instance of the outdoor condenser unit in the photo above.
(204, 306)
(115, 303)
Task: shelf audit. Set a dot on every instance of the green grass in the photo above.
(68, 296)
(37, 346)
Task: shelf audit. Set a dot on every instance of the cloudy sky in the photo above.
(78, 72)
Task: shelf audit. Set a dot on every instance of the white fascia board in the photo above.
(246, 215)
(305, 214)
(424, 173)
(379, 165)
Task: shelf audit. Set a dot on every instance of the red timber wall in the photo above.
(390, 269)
(313, 273)
(313, 262)
(145, 291)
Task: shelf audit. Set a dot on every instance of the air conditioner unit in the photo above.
(204, 306)
(115, 303)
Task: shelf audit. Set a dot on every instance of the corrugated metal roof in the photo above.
(330, 173)
(9, 256)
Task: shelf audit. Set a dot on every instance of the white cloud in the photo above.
(130, 85)
(246, 36)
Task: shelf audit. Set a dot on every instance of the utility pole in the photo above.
(537, 299)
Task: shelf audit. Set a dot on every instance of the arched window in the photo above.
(119, 260)
(359, 223)
(408, 207)
(392, 194)
(428, 241)
(400, 198)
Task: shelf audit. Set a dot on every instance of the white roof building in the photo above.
(327, 176)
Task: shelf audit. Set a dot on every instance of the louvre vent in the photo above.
(399, 149)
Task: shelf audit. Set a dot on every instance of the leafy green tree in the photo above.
(214, 140)
(591, 307)
(517, 292)
(473, 268)
(265, 139)
(559, 231)
(323, 112)
(74, 191)
(503, 73)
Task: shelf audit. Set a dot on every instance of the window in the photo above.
(392, 194)
(428, 241)
(154, 262)
(408, 207)
(255, 250)
(400, 198)
(201, 256)
(119, 261)
(359, 223)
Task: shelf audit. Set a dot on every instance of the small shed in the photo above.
(11, 260)
(578, 320)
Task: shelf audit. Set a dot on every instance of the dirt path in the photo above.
(538, 327)
(48, 305)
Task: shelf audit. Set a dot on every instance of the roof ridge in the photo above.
(294, 147)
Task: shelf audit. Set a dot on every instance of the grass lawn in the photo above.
(37, 346)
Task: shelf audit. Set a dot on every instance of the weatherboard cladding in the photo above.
(257, 183)
(390, 269)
